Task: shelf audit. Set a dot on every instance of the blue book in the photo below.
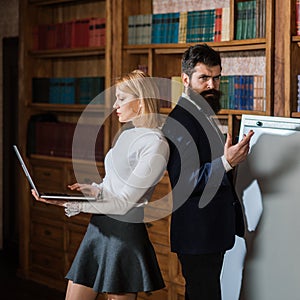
(156, 25)
(55, 91)
(175, 28)
(68, 90)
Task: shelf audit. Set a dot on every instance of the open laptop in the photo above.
(56, 196)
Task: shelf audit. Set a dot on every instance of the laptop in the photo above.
(56, 196)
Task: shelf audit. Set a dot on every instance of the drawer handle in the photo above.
(47, 173)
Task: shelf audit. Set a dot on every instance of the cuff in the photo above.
(226, 164)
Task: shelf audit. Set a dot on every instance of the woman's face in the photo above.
(127, 106)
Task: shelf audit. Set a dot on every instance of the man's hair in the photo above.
(201, 53)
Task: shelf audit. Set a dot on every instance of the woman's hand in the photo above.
(86, 189)
(48, 201)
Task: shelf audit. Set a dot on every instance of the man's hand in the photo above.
(235, 154)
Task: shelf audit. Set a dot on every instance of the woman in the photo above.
(116, 256)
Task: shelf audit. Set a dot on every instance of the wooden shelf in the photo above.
(70, 108)
(70, 52)
(48, 158)
(236, 45)
(296, 114)
(55, 2)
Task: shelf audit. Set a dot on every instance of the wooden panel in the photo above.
(177, 292)
(162, 254)
(48, 178)
(85, 173)
(47, 232)
(162, 294)
(47, 261)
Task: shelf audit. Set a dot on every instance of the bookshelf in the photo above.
(48, 239)
(163, 59)
(287, 66)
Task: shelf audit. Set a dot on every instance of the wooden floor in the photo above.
(14, 288)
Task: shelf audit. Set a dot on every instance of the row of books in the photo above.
(243, 92)
(68, 90)
(298, 94)
(240, 92)
(251, 19)
(88, 32)
(56, 139)
(298, 17)
(179, 27)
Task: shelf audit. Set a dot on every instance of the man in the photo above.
(206, 211)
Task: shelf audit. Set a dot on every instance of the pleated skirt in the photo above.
(116, 257)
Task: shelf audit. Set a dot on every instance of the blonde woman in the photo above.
(116, 256)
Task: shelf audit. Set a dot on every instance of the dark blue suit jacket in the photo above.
(206, 210)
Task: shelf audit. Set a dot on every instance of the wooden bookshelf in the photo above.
(164, 60)
(287, 62)
(48, 239)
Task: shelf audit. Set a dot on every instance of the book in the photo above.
(297, 17)
(224, 85)
(182, 27)
(240, 21)
(225, 27)
(218, 25)
(177, 89)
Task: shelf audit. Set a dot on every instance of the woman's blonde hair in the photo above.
(144, 88)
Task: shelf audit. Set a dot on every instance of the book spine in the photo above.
(298, 17)
(218, 25)
(182, 27)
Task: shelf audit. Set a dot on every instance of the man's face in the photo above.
(206, 82)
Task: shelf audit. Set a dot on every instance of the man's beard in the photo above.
(213, 99)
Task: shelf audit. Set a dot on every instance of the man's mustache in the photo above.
(213, 92)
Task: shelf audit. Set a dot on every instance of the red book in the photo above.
(82, 33)
(92, 32)
(69, 34)
(35, 38)
(99, 32)
(42, 33)
(60, 35)
(298, 17)
(218, 24)
(51, 36)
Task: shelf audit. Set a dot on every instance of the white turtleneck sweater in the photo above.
(133, 167)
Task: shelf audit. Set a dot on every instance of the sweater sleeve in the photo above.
(150, 166)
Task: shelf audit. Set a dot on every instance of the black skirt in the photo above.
(116, 257)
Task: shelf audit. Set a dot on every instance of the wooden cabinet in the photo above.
(48, 239)
(287, 61)
(53, 238)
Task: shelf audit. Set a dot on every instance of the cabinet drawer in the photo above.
(48, 179)
(75, 234)
(47, 261)
(47, 232)
(85, 173)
